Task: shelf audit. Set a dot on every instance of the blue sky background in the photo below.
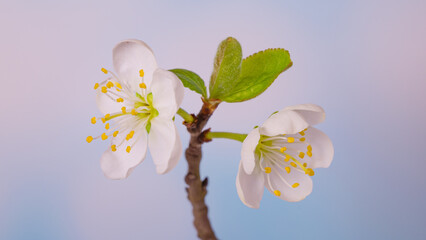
(363, 61)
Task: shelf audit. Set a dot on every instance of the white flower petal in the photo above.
(250, 187)
(176, 153)
(288, 193)
(163, 143)
(167, 92)
(313, 114)
(129, 57)
(283, 122)
(106, 104)
(322, 148)
(248, 148)
(119, 164)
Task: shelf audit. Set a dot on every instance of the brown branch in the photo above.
(197, 189)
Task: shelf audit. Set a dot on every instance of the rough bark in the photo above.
(197, 189)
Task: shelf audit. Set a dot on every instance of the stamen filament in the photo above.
(288, 156)
(126, 87)
(282, 178)
(276, 161)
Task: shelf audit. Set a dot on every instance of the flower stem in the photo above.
(197, 188)
(234, 136)
(185, 115)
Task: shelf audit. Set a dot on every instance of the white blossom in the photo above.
(281, 155)
(139, 103)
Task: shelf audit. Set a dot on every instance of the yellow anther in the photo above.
(103, 120)
(104, 70)
(310, 172)
(117, 84)
(96, 86)
(305, 164)
(142, 85)
(107, 115)
(115, 134)
(89, 139)
(141, 73)
(277, 193)
(290, 139)
(104, 89)
(309, 153)
(268, 170)
(93, 120)
(302, 133)
(287, 158)
(288, 169)
(123, 109)
(133, 112)
(302, 139)
(293, 164)
(107, 126)
(130, 135)
(109, 84)
(295, 185)
(104, 136)
(305, 129)
(301, 154)
(309, 148)
(113, 148)
(120, 100)
(128, 148)
(283, 149)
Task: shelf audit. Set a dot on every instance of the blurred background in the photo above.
(362, 61)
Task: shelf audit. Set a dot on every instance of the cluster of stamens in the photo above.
(137, 110)
(284, 152)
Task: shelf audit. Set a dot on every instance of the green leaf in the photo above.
(227, 67)
(258, 72)
(191, 80)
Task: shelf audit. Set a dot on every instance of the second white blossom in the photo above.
(281, 155)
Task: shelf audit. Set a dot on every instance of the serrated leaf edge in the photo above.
(268, 50)
(253, 55)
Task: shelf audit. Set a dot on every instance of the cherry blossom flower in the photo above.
(139, 103)
(281, 155)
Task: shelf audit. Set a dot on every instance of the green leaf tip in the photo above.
(258, 72)
(226, 67)
(191, 80)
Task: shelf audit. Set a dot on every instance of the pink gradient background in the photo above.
(363, 61)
